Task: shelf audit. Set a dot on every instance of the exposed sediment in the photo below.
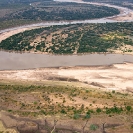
(112, 77)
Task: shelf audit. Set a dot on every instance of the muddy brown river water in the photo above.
(15, 61)
(30, 60)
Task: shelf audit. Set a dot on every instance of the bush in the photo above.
(93, 127)
(90, 111)
(128, 108)
(76, 116)
(63, 111)
(114, 109)
(43, 112)
(87, 116)
(98, 110)
(113, 91)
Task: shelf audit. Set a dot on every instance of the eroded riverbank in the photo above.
(113, 77)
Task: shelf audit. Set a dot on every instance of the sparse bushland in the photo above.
(69, 39)
(16, 13)
(56, 11)
(31, 102)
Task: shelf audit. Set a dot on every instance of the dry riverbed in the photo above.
(112, 77)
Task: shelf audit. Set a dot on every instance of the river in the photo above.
(29, 60)
(124, 11)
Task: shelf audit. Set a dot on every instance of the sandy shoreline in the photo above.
(112, 77)
(7, 34)
(127, 17)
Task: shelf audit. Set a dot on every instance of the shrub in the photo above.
(43, 112)
(114, 109)
(128, 108)
(90, 111)
(98, 110)
(113, 91)
(87, 116)
(93, 127)
(63, 111)
(76, 116)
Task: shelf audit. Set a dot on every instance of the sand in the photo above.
(114, 77)
(128, 17)
(7, 34)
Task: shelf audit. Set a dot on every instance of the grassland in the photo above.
(72, 107)
(72, 39)
(33, 100)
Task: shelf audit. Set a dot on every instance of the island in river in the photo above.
(74, 39)
(65, 98)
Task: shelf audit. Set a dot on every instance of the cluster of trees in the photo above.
(21, 12)
(21, 41)
(69, 11)
(79, 38)
(93, 40)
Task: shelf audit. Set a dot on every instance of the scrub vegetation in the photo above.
(71, 39)
(73, 102)
(61, 104)
(15, 13)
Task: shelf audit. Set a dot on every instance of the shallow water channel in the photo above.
(30, 60)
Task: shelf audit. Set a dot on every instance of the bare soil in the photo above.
(46, 124)
(19, 110)
(113, 77)
(127, 17)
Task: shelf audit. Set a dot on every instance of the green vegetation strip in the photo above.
(50, 11)
(69, 39)
(33, 100)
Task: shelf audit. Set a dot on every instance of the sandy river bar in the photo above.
(112, 77)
